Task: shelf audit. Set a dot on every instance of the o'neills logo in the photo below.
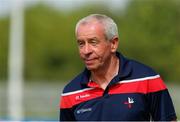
(82, 96)
(80, 111)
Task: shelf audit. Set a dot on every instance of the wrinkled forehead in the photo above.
(93, 29)
(92, 25)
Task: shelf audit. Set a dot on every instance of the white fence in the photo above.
(40, 100)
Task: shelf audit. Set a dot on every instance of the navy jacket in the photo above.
(136, 93)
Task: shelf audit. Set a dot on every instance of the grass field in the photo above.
(41, 100)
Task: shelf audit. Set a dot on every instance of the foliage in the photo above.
(51, 51)
(149, 32)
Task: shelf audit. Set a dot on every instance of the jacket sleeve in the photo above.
(161, 105)
(66, 115)
(66, 109)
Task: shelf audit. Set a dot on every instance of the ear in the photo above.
(114, 44)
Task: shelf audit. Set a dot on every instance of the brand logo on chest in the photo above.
(80, 111)
(82, 96)
(129, 102)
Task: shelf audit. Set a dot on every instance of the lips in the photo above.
(89, 61)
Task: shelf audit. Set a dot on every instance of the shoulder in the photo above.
(134, 69)
(145, 78)
(73, 85)
(76, 83)
(139, 69)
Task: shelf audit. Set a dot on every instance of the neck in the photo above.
(104, 75)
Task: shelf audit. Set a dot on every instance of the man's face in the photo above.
(94, 49)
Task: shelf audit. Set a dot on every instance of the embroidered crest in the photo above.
(129, 102)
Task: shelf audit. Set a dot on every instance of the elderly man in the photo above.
(112, 87)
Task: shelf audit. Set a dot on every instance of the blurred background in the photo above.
(149, 32)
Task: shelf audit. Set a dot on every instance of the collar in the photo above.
(124, 71)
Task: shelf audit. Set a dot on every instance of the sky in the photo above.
(63, 5)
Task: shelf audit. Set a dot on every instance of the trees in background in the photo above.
(148, 30)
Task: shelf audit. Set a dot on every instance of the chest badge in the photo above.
(129, 102)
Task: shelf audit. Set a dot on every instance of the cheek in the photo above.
(81, 56)
(107, 52)
(104, 52)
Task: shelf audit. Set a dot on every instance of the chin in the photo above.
(91, 67)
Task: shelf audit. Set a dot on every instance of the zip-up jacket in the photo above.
(136, 93)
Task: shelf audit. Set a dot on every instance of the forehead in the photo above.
(92, 29)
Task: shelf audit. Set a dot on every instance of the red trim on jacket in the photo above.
(144, 87)
(131, 86)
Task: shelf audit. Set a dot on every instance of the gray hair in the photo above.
(110, 27)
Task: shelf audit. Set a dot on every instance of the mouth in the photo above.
(89, 61)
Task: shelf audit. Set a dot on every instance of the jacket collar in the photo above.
(124, 71)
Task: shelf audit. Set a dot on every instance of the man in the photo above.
(112, 87)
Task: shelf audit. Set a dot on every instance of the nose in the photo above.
(87, 49)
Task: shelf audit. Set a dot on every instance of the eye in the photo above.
(93, 42)
(81, 43)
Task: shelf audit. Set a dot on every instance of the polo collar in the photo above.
(124, 71)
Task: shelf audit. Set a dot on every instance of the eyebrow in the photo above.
(94, 38)
(89, 39)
